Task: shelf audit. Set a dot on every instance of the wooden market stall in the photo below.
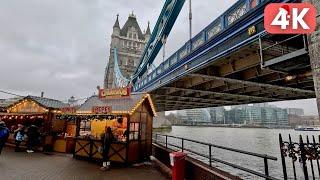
(64, 129)
(130, 117)
(32, 110)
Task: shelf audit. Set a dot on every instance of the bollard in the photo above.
(178, 163)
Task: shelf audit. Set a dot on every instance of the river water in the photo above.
(264, 141)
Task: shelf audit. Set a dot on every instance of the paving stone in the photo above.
(39, 166)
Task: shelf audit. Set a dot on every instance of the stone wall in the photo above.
(314, 51)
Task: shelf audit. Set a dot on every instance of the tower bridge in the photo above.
(231, 61)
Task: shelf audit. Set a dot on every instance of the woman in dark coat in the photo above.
(33, 137)
(107, 139)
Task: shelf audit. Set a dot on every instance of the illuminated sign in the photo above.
(68, 110)
(113, 93)
(252, 30)
(101, 109)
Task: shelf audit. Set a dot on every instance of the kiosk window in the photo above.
(85, 127)
(134, 131)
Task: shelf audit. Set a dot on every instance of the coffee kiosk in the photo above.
(129, 115)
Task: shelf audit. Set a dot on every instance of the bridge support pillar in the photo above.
(314, 52)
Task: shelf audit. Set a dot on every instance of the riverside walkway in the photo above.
(39, 166)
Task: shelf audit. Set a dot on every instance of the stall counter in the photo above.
(64, 145)
(89, 149)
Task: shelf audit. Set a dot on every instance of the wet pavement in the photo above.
(36, 166)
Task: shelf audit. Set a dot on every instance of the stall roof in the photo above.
(125, 105)
(8, 102)
(42, 101)
(50, 103)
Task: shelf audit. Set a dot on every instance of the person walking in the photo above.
(4, 135)
(107, 139)
(33, 137)
(19, 137)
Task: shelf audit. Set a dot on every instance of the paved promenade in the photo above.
(36, 166)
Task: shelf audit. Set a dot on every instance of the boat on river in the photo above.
(305, 128)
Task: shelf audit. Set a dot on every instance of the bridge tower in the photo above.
(314, 52)
(130, 42)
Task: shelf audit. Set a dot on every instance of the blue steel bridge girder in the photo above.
(223, 68)
(119, 79)
(235, 97)
(165, 22)
(234, 20)
(201, 95)
(249, 83)
(223, 84)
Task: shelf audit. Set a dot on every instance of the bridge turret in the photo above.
(115, 34)
(148, 33)
(116, 27)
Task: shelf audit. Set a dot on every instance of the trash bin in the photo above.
(178, 161)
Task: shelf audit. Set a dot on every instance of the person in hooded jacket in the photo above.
(4, 135)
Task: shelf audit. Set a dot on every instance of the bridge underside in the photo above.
(239, 79)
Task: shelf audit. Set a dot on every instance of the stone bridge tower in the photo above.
(130, 42)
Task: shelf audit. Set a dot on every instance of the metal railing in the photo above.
(173, 146)
(304, 154)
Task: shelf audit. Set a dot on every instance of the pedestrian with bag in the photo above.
(107, 139)
(4, 135)
(19, 137)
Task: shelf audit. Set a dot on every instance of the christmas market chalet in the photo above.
(32, 110)
(130, 116)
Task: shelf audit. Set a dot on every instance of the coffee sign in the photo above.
(101, 109)
(114, 93)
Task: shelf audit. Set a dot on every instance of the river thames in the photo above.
(263, 141)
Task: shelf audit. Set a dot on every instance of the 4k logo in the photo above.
(290, 18)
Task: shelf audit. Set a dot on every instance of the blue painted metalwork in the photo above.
(119, 80)
(162, 29)
(228, 25)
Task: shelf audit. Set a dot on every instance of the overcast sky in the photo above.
(61, 47)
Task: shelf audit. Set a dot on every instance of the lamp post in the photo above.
(190, 20)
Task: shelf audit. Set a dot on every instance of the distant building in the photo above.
(269, 117)
(295, 120)
(161, 121)
(252, 115)
(264, 105)
(182, 116)
(193, 116)
(258, 115)
(282, 117)
(217, 115)
(295, 111)
(239, 106)
(130, 42)
(198, 115)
